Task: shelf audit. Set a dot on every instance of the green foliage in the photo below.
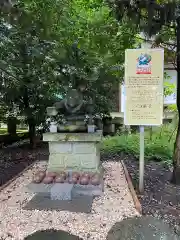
(169, 88)
(46, 46)
(154, 18)
(95, 51)
(159, 143)
(27, 75)
(172, 107)
(148, 16)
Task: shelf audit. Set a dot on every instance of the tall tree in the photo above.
(99, 41)
(154, 17)
(28, 39)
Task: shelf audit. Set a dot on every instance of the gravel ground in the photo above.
(115, 205)
(161, 198)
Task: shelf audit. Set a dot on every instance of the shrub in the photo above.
(159, 143)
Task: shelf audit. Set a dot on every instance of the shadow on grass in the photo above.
(145, 227)
(52, 234)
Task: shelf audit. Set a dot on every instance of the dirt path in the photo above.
(15, 159)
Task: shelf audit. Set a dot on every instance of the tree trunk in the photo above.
(25, 93)
(32, 131)
(176, 158)
(11, 125)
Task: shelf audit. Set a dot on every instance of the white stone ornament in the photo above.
(53, 127)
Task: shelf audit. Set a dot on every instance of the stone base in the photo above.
(75, 151)
(39, 188)
(87, 190)
(82, 204)
(64, 191)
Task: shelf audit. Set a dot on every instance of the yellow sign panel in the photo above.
(144, 74)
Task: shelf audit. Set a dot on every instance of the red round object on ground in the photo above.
(96, 175)
(95, 181)
(72, 180)
(48, 180)
(84, 180)
(63, 174)
(51, 174)
(76, 174)
(59, 179)
(41, 174)
(86, 174)
(37, 179)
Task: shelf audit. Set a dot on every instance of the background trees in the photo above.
(46, 46)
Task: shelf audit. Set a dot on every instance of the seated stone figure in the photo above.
(74, 110)
(74, 106)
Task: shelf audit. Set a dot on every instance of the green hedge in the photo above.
(159, 143)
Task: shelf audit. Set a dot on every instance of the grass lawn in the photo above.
(4, 131)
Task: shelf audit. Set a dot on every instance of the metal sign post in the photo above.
(141, 160)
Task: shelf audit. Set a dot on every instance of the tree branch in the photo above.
(5, 71)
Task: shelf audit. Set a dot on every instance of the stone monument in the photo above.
(74, 110)
(74, 160)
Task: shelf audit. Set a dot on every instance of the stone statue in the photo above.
(77, 113)
(74, 106)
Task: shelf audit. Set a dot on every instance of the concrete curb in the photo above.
(131, 188)
(18, 175)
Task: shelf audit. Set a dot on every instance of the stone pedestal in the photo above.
(71, 152)
(74, 151)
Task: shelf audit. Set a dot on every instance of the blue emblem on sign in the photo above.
(144, 59)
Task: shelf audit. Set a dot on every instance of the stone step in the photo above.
(77, 189)
(87, 190)
(39, 188)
